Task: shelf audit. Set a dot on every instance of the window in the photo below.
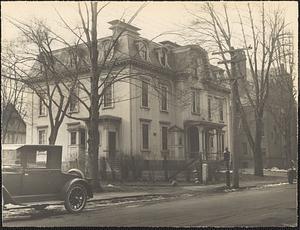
(221, 114)
(74, 101)
(42, 136)
(108, 95)
(222, 142)
(42, 107)
(37, 159)
(108, 53)
(145, 136)
(144, 94)
(196, 101)
(142, 50)
(164, 98)
(209, 108)
(244, 146)
(163, 58)
(82, 137)
(164, 138)
(73, 136)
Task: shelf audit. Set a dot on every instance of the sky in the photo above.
(156, 18)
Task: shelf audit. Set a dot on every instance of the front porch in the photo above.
(204, 140)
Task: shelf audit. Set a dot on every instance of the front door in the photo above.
(194, 141)
(112, 144)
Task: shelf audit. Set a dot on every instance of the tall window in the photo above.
(73, 137)
(244, 146)
(221, 113)
(42, 136)
(164, 138)
(145, 136)
(74, 101)
(82, 137)
(164, 98)
(195, 101)
(222, 142)
(142, 50)
(106, 50)
(42, 107)
(163, 58)
(209, 108)
(144, 94)
(108, 95)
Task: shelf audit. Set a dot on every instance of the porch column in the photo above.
(215, 135)
(201, 141)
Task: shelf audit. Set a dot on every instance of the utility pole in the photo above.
(235, 58)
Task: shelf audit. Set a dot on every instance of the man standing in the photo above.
(227, 160)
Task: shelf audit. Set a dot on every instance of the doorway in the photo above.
(112, 144)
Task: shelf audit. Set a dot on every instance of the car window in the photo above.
(11, 158)
(37, 159)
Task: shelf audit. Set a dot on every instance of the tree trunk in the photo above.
(93, 151)
(257, 154)
(53, 136)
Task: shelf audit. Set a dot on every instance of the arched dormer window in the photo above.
(142, 49)
(163, 56)
(105, 50)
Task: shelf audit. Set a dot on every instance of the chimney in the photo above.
(118, 27)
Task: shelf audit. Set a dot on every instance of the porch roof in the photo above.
(205, 124)
(104, 118)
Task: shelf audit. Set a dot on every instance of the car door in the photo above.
(38, 180)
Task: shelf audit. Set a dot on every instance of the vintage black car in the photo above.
(32, 176)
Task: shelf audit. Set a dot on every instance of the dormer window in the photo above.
(107, 50)
(163, 57)
(142, 50)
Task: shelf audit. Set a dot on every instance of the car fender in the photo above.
(76, 181)
(7, 197)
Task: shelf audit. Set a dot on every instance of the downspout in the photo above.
(130, 110)
(32, 117)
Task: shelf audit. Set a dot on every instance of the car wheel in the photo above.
(76, 198)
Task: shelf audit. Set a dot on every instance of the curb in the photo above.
(125, 197)
(214, 189)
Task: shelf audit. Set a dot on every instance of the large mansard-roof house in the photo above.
(175, 108)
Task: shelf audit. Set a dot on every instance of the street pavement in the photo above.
(264, 205)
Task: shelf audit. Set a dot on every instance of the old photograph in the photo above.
(149, 114)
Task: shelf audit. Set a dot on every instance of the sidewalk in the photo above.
(138, 190)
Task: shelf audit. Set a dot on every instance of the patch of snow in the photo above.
(110, 185)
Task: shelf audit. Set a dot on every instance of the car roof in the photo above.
(27, 146)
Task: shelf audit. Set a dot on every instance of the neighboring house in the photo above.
(15, 127)
(174, 108)
(273, 143)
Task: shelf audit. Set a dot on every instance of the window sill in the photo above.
(164, 111)
(197, 114)
(44, 115)
(145, 150)
(108, 107)
(145, 108)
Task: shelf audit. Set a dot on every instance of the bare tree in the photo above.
(282, 101)
(12, 99)
(215, 29)
(37, 66)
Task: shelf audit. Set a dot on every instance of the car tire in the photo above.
(76, 198)
(76, 172)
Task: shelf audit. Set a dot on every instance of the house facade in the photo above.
(172, 106)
